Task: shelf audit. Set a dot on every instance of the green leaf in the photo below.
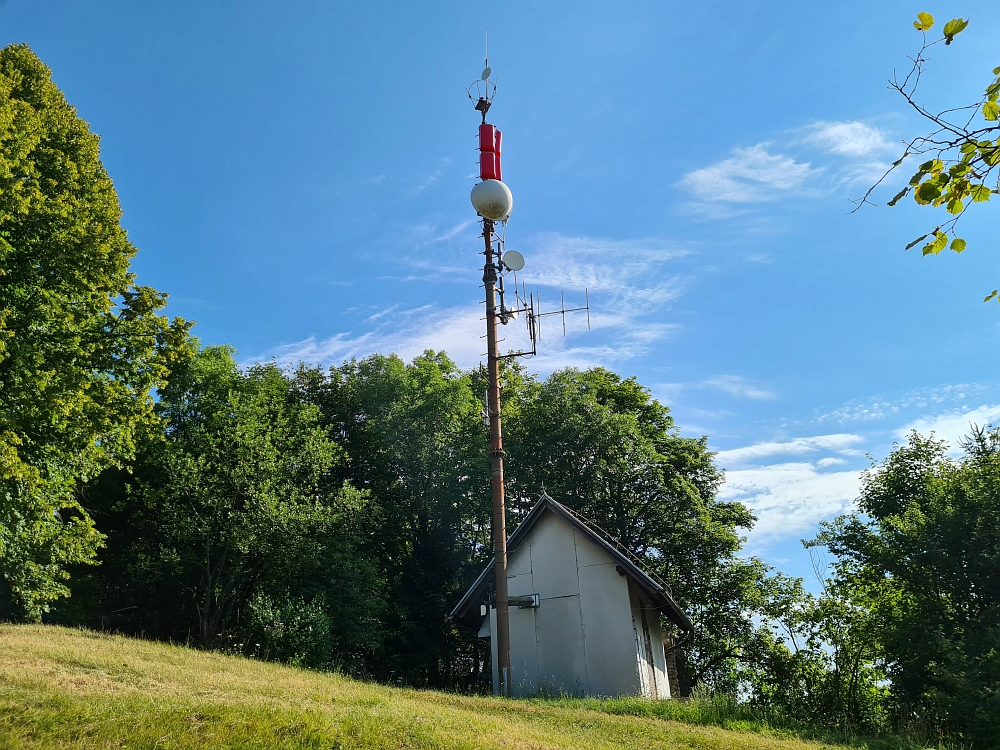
(924, 22)
(927, 192)
(991, 295)
(898, 195)
(900, 159)
(969, 147)
(959, 169)
(955, 206)
(954, 26)
(933, 166)
(958, 245)
(980, 193)
(939, 243)
(991, 110)
(915, 242)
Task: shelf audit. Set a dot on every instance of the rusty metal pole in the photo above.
(496, 457)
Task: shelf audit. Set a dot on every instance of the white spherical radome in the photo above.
(492, 200)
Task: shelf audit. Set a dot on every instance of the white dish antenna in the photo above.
(486, 74)
(513, 260)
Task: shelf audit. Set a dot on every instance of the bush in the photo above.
(293, 631)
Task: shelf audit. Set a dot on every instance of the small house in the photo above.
(585, 619)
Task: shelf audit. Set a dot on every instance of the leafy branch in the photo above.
(960, 154)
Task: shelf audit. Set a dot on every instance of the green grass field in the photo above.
(63, 688)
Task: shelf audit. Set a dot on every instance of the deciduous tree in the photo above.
(922, 556)
(82, 346)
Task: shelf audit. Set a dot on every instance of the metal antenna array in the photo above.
(527, 304)
(493, 202)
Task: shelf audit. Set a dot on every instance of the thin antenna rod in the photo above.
(487, 48)
(586, 293)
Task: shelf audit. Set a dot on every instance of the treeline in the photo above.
(331, 517)
(334, 517)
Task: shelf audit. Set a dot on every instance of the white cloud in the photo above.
(953, 425)
(408, 333)
(847, 138)
(791, 498)
(628, 282)
(841, 443)
(825, 462)
(737, 386)
(878, 408)
(750, 175)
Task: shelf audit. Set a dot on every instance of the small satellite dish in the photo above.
(486, 74)
(513, 260)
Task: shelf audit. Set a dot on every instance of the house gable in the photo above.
(468, 609)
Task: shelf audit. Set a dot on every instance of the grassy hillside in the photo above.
(62, 688)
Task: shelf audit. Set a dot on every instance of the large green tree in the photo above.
(81, 344)
(603, 446)
(922, 556)
(232, 524)
(417, 445)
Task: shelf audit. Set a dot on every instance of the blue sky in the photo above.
(296, 176)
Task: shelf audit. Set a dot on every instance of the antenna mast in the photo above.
(493, 202)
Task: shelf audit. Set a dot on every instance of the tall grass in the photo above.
(727, 712)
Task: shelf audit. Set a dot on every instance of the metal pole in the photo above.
(496, 456)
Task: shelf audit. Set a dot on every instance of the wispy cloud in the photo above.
(842, 153)
(847, 138)
(749, 175)
(790, 498)
(824, 462)
(953, 425)
(734, 385)
(431, 177)
(842, 443)
(629, 284)
(879, 408)
(407, 333)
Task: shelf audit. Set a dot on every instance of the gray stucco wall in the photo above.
(581, 639)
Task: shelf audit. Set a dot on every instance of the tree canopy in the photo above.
(920, 558)
(82, 345)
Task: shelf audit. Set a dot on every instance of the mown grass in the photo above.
(63, 688)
